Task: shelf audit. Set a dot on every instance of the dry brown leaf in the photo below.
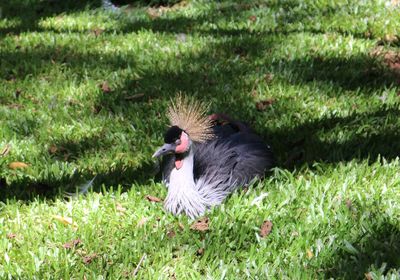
(349, 204)
(153, 198)
(390, 38)
(105, 87)
(11, 235)
(120, 208)
(6, 150)
(153, 13)
(89, 258)
(72, 244)
(15, 106)
(200, 252)
(263, 104)
(17, 164)
(268, 77)
(266, 228)
(310, 254)
(65, 220)
(179, 5)
(97, 31)
(200, 225)
(253, 18)
(18, 93)
(171, 233)
(53, 149)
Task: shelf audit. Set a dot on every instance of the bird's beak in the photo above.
(164, 150)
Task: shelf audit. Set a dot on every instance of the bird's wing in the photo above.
(229, 162)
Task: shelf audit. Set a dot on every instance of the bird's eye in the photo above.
(178, 142)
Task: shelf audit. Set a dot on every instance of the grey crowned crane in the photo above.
(206, 158)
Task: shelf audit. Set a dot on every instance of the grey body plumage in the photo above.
(204, 160)
(221, 165)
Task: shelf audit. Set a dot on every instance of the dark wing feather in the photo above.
(233, 160)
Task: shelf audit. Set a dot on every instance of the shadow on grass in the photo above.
(377, 250)
(27, 14)
(28, 190)
(347, 73)
(372, 135)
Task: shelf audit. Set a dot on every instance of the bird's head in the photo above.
(176, 141)
(189, 123)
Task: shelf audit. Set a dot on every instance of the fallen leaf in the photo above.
(18, 93)
(309, 254)
(253, 18)
(15, 106)
(72, 244)
(263, 104)
(153, 198)
(368, 276)
(6, 150)
(200, 225)
(65, 220)
(349, 204)
(17, 164)
(89, 258)
(153, 13)
(97, 31)
(268, 77)
(179, 5)
(266, 228)
(53, 149)
(200, 252)
(391, 59)
(66, 156)
(171, 233)
(390, 38)
(105, 87)
(120, 208)
(11, 235)
(142, 221)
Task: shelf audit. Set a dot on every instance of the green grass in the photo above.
(334, 198)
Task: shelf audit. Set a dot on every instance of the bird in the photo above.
(207, 157)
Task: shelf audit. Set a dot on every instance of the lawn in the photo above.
(83, 98)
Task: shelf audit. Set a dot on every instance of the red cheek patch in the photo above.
(184, 145)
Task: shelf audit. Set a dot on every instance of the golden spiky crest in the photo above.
(191, 116)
